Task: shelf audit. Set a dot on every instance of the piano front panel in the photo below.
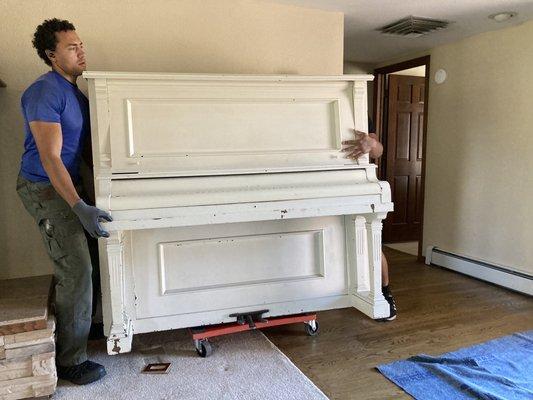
(253, 126)
(232, 127)
(255, 265)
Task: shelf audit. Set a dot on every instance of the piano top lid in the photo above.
(190, 124)
(224, 77)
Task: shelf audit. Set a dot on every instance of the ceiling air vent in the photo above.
(413, 26)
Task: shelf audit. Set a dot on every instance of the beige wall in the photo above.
(352, 67)
(219, 36)
(416, 71)
(479, 185)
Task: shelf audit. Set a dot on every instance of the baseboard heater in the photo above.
(483, 270)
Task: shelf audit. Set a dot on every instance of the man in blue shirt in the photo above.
(56, 122)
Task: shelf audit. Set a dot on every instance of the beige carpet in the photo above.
(243, 366)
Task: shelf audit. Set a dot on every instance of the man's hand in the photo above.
(90, 218)
(363, 144)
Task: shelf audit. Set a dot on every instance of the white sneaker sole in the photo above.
(387, 319)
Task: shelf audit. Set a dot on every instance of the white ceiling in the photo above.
(362, 43)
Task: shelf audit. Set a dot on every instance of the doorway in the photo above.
(400, 115)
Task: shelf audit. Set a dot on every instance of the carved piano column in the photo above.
(367, 296)
(361, 259)
(118, 325)
(373, 229)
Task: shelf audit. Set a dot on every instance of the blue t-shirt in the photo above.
(52, 98)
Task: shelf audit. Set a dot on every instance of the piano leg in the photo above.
(117, 324)
(365, 260)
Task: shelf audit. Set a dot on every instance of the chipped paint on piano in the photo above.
(229, 193)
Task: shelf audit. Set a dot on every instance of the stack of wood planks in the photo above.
(27, 350)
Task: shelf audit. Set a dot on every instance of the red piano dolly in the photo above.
(246, 322)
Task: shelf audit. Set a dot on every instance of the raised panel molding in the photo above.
(226, 262)
(203, 127)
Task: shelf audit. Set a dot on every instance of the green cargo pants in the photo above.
(67, 245)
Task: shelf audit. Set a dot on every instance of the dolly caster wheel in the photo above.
(312, 328)
(203, 348)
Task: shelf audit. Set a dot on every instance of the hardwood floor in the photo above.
(438, 311)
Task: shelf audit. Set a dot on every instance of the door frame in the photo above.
(379, 99)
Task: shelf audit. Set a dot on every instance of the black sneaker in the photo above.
(82, 374)
(388, 296)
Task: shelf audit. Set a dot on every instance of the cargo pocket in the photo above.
(49, 234)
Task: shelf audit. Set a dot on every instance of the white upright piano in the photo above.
(230, 194)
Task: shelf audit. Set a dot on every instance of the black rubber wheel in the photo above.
(312, 332)
(205, 349)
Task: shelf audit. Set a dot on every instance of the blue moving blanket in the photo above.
(499, 369)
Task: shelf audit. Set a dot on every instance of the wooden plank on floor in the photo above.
(28, 387)
(24, 304)
(11, 341)
(36, 365)
(27, 347)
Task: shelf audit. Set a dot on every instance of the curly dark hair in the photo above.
(44, 37)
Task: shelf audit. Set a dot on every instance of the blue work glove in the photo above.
(90, 218)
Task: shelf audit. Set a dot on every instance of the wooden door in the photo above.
(404, 157)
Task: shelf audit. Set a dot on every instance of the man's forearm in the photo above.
(60, 179)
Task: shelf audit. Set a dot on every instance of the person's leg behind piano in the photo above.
(386, 290)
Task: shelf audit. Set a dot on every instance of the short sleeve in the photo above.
(42, 102)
